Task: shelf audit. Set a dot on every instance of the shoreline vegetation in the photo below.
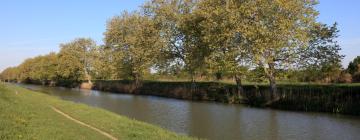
(27, 114)
(331, 98)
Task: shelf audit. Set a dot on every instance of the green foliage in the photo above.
(180, 34)
(136, 42)
(354, 69)
(219, 25)
(354, 66)
(75, 59)
(247, 40)
(321, 61)
(103, 63)
(10, 74)
(45, 68)
(273, 30)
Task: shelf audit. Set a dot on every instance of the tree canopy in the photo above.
(247, 40)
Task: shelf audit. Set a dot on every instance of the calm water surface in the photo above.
(217, 121)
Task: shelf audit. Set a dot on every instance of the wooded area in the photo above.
(247, 41)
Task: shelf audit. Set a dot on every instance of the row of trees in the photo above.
(239, 39)
(71, 63)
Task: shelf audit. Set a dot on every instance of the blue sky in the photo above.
(30, 28)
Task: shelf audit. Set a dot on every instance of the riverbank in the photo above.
(340, 98)
(26, 114)
(202, 119)
(334, 98)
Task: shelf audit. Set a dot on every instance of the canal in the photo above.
(213, 120)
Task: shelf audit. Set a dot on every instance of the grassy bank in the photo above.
(26, 114)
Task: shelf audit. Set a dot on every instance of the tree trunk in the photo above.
(193, 85)
(273, 88)
(271, 73)
(137, 80)
(240, 89)
(89, 80)
(52, 83)
(43, 82)
(88, 77)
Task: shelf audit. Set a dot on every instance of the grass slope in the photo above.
(26, 114)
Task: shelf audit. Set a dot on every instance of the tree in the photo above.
(136, 41)
(273, 30)
(178, 31)
(9, 74)
(25, 70)
(45, 68)
(321, 61)
(103, 63)
(37, 71)
(224, 47)
(75, 58)
(354, 66)
(354, 69)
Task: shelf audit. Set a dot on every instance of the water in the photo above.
(217, 121)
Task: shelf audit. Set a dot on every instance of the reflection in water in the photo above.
(216, 121)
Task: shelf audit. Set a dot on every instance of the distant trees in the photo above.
(73, 62)
(41, 68)
(354, 69)
(10, 74)
(45, 68)
(345, 77)
(354, 66)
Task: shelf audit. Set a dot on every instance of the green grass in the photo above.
(28, 115)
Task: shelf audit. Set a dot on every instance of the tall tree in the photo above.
(75, 58)
(321, 61)
(103, 63)
(178, 32)
(226, 52)
(136, 41)
(273, 30)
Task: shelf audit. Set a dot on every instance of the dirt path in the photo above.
(84, 124)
